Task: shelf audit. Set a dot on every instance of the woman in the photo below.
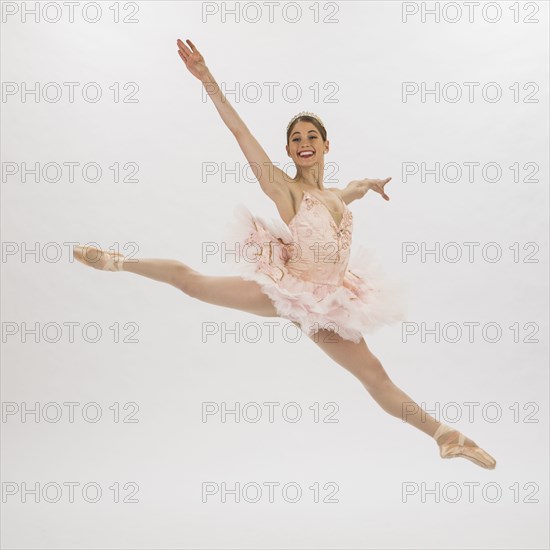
(301, 270)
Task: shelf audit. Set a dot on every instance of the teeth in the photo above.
(306, 154)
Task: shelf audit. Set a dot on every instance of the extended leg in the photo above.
(362, 363)
(225, 291)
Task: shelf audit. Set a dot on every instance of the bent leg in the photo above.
(364, 365)
(226, 291)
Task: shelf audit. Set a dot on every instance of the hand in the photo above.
(192, 58)
(377, 185)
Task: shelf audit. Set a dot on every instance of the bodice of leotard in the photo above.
(321, 248)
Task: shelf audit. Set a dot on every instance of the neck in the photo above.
(311, 177)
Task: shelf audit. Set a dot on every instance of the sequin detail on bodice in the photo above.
(320, 249)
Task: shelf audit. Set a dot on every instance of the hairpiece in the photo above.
(304, 113)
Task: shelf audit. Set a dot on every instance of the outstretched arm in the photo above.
(270, 177)
(357, 189)
(194, 61)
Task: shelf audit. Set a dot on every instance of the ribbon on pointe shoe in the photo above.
(113, 261)
(474, 453)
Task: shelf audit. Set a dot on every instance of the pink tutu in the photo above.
(350, 294)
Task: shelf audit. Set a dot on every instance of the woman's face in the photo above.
(305, 144)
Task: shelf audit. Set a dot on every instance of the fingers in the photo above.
(380, 189)
(183, 48)
(383, 193)
(384, 181)
(382, 184)
(182, 57)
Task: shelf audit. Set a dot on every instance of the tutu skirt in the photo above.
(365, 301)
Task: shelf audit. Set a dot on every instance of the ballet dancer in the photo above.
(302, 269)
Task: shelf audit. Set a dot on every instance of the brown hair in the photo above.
(306, 118)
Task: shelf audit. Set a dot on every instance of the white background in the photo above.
(172, 210)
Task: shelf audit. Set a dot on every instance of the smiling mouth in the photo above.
(306, 154)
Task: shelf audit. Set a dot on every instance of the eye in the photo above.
(295, 139)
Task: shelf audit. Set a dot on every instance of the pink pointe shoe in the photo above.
(98, 259)
(453, 446)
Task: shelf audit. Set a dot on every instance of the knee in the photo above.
(374, 376)
(187, 280)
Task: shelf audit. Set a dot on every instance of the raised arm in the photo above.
(271, 179)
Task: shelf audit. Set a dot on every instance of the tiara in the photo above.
(304, 113)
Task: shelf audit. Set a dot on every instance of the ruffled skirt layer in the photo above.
(366, 300)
